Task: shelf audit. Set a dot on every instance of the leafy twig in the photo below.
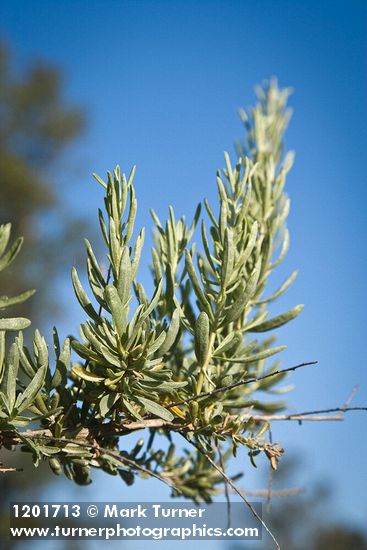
(240, 383)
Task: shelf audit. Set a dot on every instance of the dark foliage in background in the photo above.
(37, 128)
(305, 520)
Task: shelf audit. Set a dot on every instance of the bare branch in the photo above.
(6, 470)
(109, 429)
(350, 397)
(226, 488)
(263, 493)
(228, 480)
(271, 472)
(319, 415)
(240, 383)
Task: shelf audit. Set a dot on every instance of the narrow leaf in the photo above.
(86, 375)
(202, 329)
(16, 323)
(171, 333)
(82, 297)
(196, 285)
(156, 409)
(27, 397)
(279, 320)
(5, 301)
(256, 357)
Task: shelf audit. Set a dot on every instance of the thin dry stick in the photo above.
(271, 471)
(235, 489)
(310, 416)
(111, 429)
(292, 491)
(240, 383)
(317, 415)
(348, 400)
(305, 415)
(226, 490)
(270, 491)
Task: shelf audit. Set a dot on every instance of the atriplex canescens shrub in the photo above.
(191, 359)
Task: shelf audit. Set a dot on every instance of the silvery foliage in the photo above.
(144, 358)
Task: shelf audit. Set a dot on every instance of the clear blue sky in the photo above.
(161, 81)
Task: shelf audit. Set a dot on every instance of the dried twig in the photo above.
(271, 472)
(235, 489)
(226, 489)
(288, 492)
(315, 416)
(350, 397)
(240, 383)
(6, 470)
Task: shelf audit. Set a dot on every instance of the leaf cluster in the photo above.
(140, 360)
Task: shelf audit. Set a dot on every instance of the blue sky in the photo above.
(161, 82)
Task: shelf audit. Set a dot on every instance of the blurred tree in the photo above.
(340, 538)
(305, 521)
(37, 126)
